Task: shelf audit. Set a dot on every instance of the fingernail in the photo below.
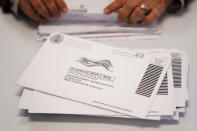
(65, 10)
(106, 11)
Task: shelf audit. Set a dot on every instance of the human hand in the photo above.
(42, 10)
(146, 10)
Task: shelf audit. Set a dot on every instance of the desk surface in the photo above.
(18, 46)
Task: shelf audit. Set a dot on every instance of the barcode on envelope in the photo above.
(139, 55)
(149, 80)
(163, 89)
(176, 70)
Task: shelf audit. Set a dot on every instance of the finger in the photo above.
(127, 9)
(115, 5)
(51, 6)
(137, 15)
(39, 6)
(28, 10)
(62, 5)
(152, 16)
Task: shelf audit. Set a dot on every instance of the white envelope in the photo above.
(42, 103)
(164, 103)
(57, 105)
(89, 6)
(179, 74)
(47, 101)
(57, 67)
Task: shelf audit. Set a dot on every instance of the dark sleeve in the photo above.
(186, 2)
(178, 5)
(5, 5)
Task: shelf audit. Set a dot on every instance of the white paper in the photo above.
(178, 68)
(25, 100)
(88, 6)
(47, 72)
(57, 105)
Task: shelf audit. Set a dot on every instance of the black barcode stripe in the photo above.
(177, 78)
(148, 85)
(177, 71)
(149, 80)
(152, 72)
(152, 75)
(176, 61)
(146, 90)
(163, 86)
(163, 89)
(177, 85)
(151, 68)
(139, 55)
(149, 88)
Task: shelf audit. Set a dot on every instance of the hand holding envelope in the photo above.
(86, 19)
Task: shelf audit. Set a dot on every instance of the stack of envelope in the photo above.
(85, 19)
(75, 76)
